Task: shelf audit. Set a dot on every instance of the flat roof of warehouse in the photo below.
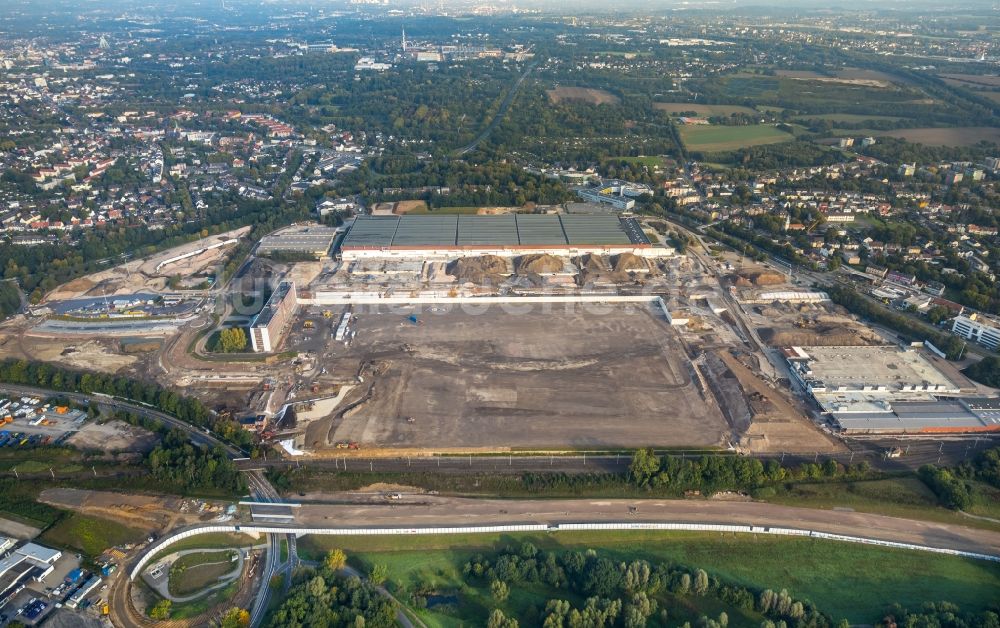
(500, 230)
(263, 318)
(311, 239)
(929, 415)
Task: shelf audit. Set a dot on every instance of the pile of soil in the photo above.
(593, 269)
(483, 269)
(538, 264)
(758, 278)
(818, 335)
(591, 263)
(628, 262)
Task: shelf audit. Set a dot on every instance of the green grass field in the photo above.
(194, 608)
(985, 502)
(711, 139)
(215, 540)
(89, 535)
(845, 580)
(646, 160)
(192, 573)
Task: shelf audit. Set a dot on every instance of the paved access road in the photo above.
(419, 511)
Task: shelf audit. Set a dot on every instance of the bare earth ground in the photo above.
(94, 355)
(303, 273)
(17, 530)
(421, 511)
(142, 512)
(141, 275)
(777, 424)
(111, 436)
(530, 380)
(583, 94)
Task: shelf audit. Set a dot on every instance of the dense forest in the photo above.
(10, 299)
(177, 462)
(322, 597)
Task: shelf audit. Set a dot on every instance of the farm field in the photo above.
(954, 136)
(582, 94)
(722, 138)
(651, 161)
(816, 570)
(986, 80)
(702, 110)
(804, 94)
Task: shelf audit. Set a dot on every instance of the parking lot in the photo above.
(29, 422)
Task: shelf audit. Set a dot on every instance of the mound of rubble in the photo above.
(758, 278)
(538, 264)
(482, 269)
(629, 262)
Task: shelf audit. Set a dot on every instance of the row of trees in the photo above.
(188, 409)
(986, 371)
(953, 487)
(711, 474)
(951, 491)
(857, 304)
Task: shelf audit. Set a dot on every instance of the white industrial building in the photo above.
(985, 331)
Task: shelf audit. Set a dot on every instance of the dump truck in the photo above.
(308, 325)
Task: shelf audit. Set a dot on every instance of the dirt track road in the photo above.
(418, 511)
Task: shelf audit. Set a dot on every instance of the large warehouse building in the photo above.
(267, 326)
(506, 235)
(886, 389)
(313, 241)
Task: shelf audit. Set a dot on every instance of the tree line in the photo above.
(953, 487)
(674, 475)
(952, 346)
(188, 409)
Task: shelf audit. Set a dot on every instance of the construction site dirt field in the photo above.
(536, 379)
